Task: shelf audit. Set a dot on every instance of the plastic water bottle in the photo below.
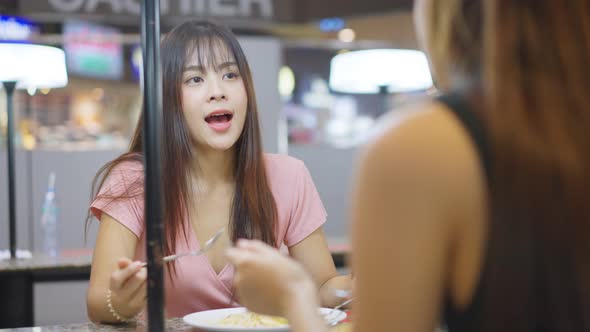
(49, 219)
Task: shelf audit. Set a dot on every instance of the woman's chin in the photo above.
(218, 144)
(221, 146)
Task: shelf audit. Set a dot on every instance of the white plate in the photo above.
(208, 320)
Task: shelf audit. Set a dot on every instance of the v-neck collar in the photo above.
(194, 241)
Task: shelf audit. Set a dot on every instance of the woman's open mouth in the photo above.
(219, 121)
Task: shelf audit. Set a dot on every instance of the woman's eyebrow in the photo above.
(194, 68)
(200, 68)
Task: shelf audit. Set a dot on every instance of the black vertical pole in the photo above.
(29, 114)
(9, 87)
(152, 115)
(384, 99)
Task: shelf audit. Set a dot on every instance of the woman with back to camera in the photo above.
(473, 210)
(215, 176)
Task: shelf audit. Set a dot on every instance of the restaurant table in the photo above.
(17, 279)
(172, 324)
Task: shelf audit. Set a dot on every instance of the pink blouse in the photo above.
(196, 286)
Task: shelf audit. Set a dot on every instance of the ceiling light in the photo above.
(346, 35)
(392, 70)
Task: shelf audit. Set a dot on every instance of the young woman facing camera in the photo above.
(215, 175)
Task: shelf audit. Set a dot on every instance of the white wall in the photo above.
(332, 171)
(264, 57)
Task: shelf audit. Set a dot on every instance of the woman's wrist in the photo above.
(301, 308)
(335, 290)
(119, 316)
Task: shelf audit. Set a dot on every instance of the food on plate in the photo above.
(251, 319)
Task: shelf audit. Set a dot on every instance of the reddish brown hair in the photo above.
(536, 78)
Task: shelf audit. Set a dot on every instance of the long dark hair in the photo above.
(254, 212)
(536, 77)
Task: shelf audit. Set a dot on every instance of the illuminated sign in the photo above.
(332, 24)
(216, 8)
(15, 29)
(91, 50)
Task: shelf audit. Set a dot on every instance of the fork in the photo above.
(201, 251)
(335, 310)
(208, 244)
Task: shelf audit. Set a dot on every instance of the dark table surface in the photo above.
(173, 324)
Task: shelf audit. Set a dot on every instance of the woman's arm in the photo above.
(314, 255)
(402, 224)
(112, 268)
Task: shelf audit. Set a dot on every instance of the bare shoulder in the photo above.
(424, 146)
(411, 136)
(416, 192)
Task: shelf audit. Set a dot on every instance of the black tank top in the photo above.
(469, 318)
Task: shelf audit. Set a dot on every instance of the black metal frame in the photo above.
(9, 86)
(152, 115)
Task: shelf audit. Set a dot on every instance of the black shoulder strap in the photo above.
(469, 318)
(459, 105)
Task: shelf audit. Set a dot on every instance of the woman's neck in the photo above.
(213, 167)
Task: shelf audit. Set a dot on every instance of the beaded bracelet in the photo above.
(115, 313)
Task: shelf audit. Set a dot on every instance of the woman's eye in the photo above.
(231, 76)
(194, 80)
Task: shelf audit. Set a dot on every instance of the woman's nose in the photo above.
(216, 93)
(217, 97)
